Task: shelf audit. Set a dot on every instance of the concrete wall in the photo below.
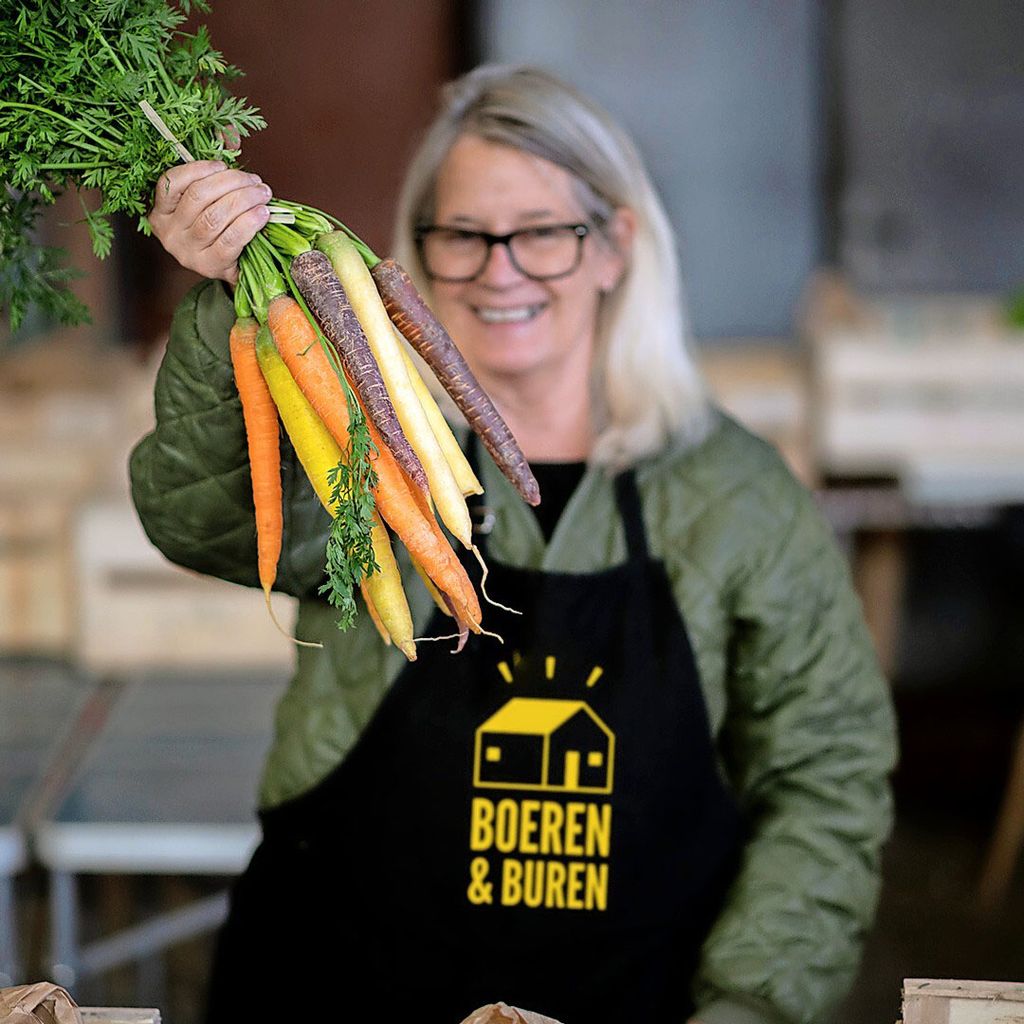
(722, 99)
(933, 102)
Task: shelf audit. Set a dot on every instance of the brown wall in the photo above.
(347, 87)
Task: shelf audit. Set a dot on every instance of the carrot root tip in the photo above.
(483, 586)
(281, 629)
(461, 637)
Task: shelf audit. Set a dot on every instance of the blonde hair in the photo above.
(646, 385)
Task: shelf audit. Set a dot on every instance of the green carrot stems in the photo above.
(259, 276)
(368, 255)
(76, 166)
(104, 144)
(106, 46)
(243, 302)
(285, 240)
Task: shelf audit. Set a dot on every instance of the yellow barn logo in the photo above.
(554, 745)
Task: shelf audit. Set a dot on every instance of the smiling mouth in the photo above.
(508, 314)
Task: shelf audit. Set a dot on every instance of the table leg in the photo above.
(64, 928)
(10, 970)
(1008, 838)
(152, 936)
(879, 571)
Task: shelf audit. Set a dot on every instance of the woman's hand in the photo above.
(204, 215)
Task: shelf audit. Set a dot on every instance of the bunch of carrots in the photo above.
(320, 319)
(318, 343)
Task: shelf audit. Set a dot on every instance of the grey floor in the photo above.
(929, 924)
(956, 750)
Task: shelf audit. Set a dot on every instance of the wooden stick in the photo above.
(158, 123)
(278, 214)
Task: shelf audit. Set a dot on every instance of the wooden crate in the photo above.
(68, 418)
(137, 610)
(118, 1015)
(70, 411)
(37, 608)
(900, 379)
(763, 384)
(930, 1001)
(882, 404)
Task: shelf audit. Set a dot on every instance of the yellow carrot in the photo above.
(431, 589)
(319, 453)
(460, 467)
(376, 324)
(374, 614)
(386, 593)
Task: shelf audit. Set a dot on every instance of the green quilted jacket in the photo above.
(801, 717)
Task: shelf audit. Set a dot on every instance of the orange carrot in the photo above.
(261, 434)
(297, 341)
(405, 508)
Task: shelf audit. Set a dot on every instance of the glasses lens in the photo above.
(546, 251)
(453, 255)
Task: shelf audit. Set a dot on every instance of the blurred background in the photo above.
(845, 180)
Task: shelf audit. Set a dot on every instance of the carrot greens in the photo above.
(350, 556)
(73, 76)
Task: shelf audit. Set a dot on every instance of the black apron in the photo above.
(539, 821)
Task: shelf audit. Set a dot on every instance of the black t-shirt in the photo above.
(557, 481)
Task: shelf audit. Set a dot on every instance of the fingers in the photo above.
(228, 245)
(172, 183)
(204, 215)
(214, 218)
(202, 194)
(230, 136)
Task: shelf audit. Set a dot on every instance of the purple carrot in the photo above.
(324, 294)
(411, 315)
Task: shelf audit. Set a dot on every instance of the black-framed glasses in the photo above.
(543, 252)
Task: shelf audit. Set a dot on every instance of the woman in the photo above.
(664, 796)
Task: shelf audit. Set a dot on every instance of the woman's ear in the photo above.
(621, 231)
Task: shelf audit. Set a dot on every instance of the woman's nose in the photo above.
(499, 270)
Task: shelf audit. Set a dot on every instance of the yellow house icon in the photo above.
(534, 743)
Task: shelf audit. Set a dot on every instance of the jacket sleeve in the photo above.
(190, 477)
(809, 743)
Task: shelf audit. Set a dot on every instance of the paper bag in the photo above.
(500, 1013)
(42, 1003)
